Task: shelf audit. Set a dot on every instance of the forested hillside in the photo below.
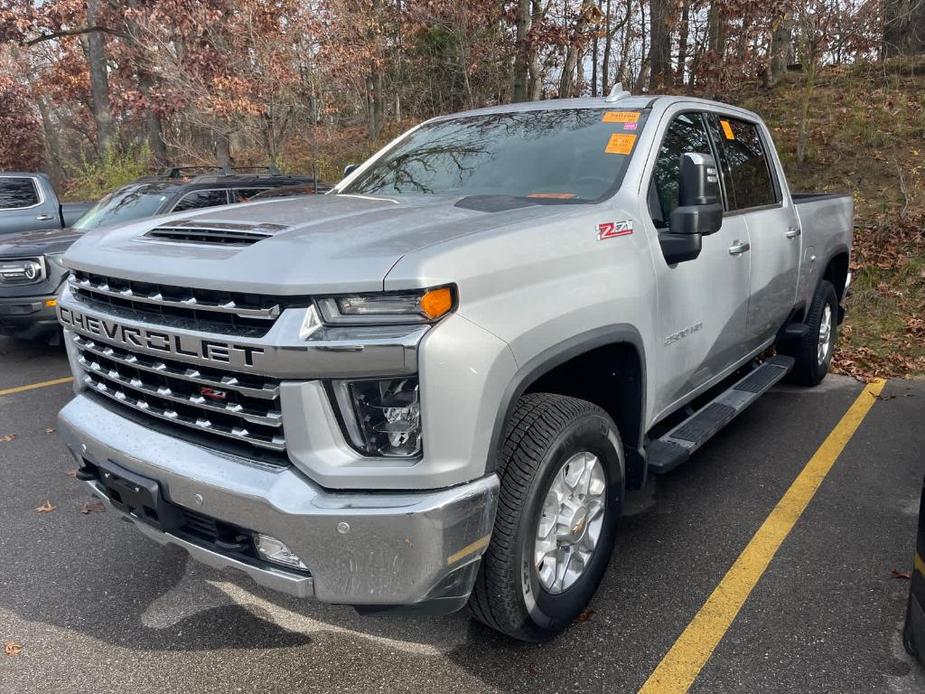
(97, 92)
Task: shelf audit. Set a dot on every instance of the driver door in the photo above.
(702, 303)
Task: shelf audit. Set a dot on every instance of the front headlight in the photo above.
(382, 417)
(388, 308)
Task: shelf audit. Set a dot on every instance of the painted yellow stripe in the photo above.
(33, 386)
(683, 662)
(471, 548)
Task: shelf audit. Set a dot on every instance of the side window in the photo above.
(17, 192)
(686, 133)
(245, 194)
(749, 180)
(201, 198)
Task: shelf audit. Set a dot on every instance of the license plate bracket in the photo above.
(140, 497)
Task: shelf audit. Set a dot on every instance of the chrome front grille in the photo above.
(222, 311)
(241, 407)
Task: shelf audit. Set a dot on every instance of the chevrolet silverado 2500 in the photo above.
(433, 385)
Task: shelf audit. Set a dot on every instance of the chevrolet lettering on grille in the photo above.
(157, 341)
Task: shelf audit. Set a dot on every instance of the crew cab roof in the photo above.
(629, 102)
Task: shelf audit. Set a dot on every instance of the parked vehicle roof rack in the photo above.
(181, 171)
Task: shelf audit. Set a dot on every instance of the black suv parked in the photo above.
(30, 269)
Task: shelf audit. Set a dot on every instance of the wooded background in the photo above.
(98, 92)
(218, 81)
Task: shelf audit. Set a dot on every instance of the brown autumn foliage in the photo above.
(314, 84)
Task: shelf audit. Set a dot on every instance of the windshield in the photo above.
(124, 205)
(559, 155)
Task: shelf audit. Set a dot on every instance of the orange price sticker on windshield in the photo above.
(620, 143)
(727, 130)
(621, 117)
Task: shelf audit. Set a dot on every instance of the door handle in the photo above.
(792, 233)
(739, 247)
(43, 218)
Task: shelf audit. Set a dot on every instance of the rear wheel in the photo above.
(813, 352)
(561, 473)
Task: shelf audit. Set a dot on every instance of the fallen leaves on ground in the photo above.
(49, 430)
(92, 507)
(906, 575)
(72, 473)
(5, 438)
(585, 615)
(12, 648)
(45, 507)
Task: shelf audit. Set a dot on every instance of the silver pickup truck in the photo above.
(434, 385)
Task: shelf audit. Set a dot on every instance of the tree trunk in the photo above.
(716, 24)
(683, 31)
(660, 50)
(608, 47)
(587, 15)
(781, 47)
(595, 55)
(522, 51)
(99, 79)
(903, 27)
(374, 104)
(223, 150)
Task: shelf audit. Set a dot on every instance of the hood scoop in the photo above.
(218, 233)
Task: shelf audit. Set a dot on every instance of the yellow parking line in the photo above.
(683, 662)
(33, 386)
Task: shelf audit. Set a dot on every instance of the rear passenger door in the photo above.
(23, 207)
(755, 193)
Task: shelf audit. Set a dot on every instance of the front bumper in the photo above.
(374, 549)
(28, 317)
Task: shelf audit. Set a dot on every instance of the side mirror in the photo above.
(349, 169)
(700, 212)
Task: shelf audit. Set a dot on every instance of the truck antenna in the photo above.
(617, 93)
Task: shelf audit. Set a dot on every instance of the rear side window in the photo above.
(17, 193)
(686, 133)
(202, 198)
(245, 194)
(749, 181)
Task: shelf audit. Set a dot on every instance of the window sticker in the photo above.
(727, 130)
(621, 117)
(629, 126)
(620, 143)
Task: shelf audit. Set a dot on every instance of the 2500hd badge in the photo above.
(181, 346)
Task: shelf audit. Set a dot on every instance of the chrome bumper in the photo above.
(361, 548)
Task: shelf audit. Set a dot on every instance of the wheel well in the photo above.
(612, 378)
(837, 273)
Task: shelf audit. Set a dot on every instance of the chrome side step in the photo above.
(675, 447)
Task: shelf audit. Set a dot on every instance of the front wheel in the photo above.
(561, 472)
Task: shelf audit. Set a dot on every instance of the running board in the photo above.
(675, 447)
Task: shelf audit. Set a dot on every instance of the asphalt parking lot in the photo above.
(98, 608)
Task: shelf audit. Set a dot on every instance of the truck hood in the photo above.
(34, 243)
(319, 244)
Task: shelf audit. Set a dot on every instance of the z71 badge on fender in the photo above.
(611, 230)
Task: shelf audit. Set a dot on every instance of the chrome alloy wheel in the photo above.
(570, 523)
(825, 335)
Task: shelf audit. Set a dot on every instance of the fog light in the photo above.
(275, 551)
(382, 418)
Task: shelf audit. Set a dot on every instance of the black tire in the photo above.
(544, 433)
(809, 370)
